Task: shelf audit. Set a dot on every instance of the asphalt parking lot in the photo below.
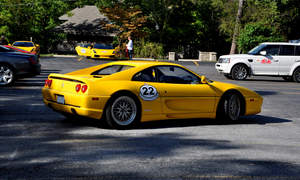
(36, 142)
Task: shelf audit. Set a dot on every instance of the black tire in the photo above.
(296, 75)
(228, 76)
(287, 78)
(230, 107)
(7, 75)
(239, 72)
(122, 112)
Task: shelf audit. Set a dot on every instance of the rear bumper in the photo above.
(36, 69)
(75, 110)
(81, 105)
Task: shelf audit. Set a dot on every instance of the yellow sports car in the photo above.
(128, 92)
(96, 51)
(84, 50)
(27, 46)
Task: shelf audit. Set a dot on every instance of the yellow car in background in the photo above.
(84, 50)
(128, 92)
(27, 46)
(100, 51)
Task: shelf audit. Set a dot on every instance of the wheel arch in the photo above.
(8, 64)
(124, 92)
(249, 70)
(293, 69)
(222, 98)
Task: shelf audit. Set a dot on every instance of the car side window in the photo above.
(147, 75)
(297, 51)
(287, 50)
(272, 50)
(111, 69)
(175, 75)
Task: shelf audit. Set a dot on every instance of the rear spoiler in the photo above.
(67, 78)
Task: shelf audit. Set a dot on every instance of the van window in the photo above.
(297, 51)
(287, 50)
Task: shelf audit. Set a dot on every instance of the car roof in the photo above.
(281, 43)
(142, 63)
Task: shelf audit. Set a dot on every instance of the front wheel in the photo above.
(296, 75)
(7, 76)
(239, 72)
(230, 107)
(122, 112)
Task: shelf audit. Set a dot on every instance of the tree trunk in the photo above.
(236, 27)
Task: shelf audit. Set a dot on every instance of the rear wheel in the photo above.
(122, 112)
(230, 107)
(296, 75)
(239, 72)
(7, 75)
(287, 78)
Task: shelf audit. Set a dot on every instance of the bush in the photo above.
(148, 50)
(254, 33)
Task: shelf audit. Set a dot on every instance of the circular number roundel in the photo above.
(148, 93)
(83, 51)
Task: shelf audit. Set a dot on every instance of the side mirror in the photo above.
(204, 80)
(37, 45)
(263, 53)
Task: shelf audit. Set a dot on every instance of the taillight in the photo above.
(78, 87)
(84, 88)
(48, 82)
(31, 60)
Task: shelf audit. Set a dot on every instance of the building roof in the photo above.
(85, 20)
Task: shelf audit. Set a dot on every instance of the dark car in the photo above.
(14, 64)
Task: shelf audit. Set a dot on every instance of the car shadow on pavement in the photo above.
(249, 120)
(245, 120)
(266, 93)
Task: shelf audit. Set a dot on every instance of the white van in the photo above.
(266, 59)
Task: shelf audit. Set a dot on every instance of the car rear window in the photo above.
(111, 69)
(102, 46)
(23, 44)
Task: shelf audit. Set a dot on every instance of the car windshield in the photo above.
(257, 49)
(102, 46)
(111, 69)
(24, 44)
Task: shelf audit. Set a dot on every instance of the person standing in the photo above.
(3, 40)
(129, 46)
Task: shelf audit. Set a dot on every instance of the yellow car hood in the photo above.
(104, 51)
(25, 48)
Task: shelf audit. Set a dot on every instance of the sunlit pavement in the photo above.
(36, 142)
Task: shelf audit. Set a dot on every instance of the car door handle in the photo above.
(276, 60)
(297, 60)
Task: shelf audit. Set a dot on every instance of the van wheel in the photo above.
(239, 72)
(122, 112)
(296, 75)
(7, 75)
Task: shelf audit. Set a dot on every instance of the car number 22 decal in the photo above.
(148, 93)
